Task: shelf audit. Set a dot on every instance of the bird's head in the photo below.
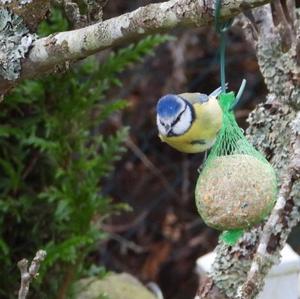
(174, 115)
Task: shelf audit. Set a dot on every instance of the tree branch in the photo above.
(284, 217)
(27, 275)
(64, 47)
(239, 271)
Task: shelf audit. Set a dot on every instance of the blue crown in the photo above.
(168, 105)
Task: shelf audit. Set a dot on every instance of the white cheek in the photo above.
(183, 124)
(161, 128)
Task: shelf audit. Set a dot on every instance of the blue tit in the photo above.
(189, 122)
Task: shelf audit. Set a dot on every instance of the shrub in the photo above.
(52, 159)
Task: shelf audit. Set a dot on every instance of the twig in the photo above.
(185, 186)
(119, 228)
(284, 27)
(155, 171)
(30, 165)
(177, 79)
(279, 12)
(291, 10)
(67, 280)
(27, 275)
(72, 11)
(126, 244)
(249, 26)
(95, 9)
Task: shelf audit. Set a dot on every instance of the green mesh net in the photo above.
(237, 187)
(231, 139)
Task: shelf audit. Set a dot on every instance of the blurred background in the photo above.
(163, 236)
(46, 202)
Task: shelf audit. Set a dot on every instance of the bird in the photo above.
(189, 122)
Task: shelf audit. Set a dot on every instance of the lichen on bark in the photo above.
(31, 11)
(228, 271)
(274, 129)
(15, 41)
(21, 2)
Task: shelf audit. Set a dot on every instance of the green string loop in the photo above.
(232, 167)
(221, 28)
(222, 60)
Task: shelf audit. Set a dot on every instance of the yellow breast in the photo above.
(203, 131)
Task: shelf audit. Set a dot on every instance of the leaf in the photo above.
(40, 143)
(7, 131)
(4, 247)
(13, 172)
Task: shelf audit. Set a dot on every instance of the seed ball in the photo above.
(235, 192)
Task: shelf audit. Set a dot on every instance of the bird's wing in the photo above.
(195, 97)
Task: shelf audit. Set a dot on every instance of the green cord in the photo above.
(219, 26)
(222, 60)
(239, 95)
(222, 28)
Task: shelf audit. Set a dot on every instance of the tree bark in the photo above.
(32, 13)
(239, 271)
(64, 47)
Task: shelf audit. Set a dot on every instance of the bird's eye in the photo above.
(162, 123)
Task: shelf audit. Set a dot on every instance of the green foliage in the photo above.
(55, 24)
(53, 156)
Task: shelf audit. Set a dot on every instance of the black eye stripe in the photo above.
(192, 110)
(193, 115)
(178, 117)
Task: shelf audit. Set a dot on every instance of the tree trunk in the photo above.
(239, 271)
